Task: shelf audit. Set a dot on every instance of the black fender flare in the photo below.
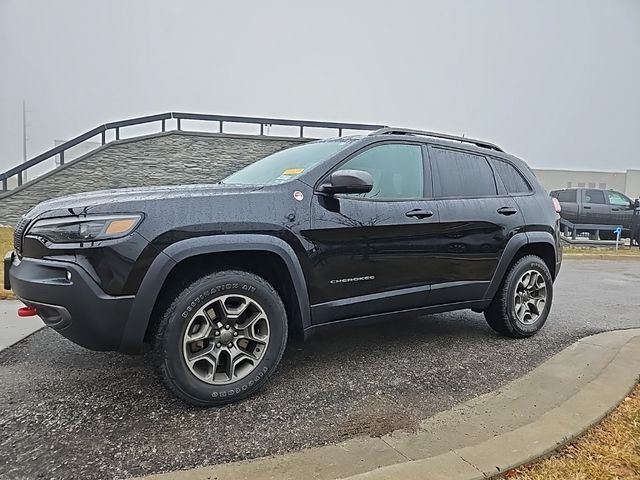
(145, 299)
(514, 244)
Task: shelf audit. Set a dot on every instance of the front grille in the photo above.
(18, 234)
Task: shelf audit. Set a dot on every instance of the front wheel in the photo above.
(221, 338)
(522, 304)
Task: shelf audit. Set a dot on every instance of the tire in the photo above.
(507, 313)
(220, 359)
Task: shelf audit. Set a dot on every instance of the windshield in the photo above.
(285, 165)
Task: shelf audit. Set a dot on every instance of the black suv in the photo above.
(214, 278)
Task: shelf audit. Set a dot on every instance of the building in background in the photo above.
(626, 182)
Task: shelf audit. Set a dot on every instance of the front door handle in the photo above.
(419, 213)
(615, 209)
(586, 208)
(507, 211)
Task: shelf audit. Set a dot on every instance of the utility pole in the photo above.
(24, 138)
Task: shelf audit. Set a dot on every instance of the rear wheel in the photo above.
(522, 304)
(221, 338)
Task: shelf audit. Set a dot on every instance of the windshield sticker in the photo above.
(293, 171)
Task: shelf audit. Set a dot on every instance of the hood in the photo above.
(126, 199)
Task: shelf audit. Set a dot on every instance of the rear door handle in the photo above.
(615, 209)
(419, 213)
(507, 211)
(586, 208)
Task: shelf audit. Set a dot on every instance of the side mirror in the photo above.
(348, 181)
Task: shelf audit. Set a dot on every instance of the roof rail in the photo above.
(407, 131)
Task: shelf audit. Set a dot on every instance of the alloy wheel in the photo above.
(226, 339)
(530, 297)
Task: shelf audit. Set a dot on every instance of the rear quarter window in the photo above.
(512, 179)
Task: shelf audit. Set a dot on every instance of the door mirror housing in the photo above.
(348, 181)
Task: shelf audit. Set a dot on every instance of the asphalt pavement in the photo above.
(66, 412)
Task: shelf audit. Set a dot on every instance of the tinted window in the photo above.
(397, 171)
(594, 196)
(616, 198)
(463, 174)
(513, 181)
(566, 196)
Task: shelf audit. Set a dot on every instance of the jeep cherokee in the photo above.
(214, 278)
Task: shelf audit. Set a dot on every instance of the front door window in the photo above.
(397, 171)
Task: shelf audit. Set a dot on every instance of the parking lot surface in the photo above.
(66, 412)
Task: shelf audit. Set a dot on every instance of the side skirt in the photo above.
(399, 314)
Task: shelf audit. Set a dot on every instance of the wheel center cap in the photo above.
(226, 336)
(525, 296)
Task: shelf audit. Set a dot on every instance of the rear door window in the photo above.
(594, 196)
(461, 174)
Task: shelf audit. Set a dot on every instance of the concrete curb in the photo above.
(523, 421)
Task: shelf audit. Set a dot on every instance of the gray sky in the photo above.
(555, 82)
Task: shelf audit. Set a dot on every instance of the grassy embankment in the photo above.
(609, 451)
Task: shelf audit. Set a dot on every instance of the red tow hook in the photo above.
(27, 312)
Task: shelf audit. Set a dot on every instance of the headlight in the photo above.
(85, 229)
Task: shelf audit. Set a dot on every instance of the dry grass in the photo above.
(610, 451)
(603, 253)
(6, 244)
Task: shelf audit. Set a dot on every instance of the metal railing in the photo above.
(162, 118)
(571, 230)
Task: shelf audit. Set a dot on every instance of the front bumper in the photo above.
(69, 301)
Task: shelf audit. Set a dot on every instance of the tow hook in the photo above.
(27, 311)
